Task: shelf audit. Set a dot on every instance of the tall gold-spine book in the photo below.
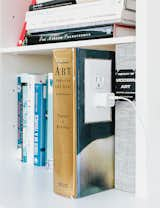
(64, 70)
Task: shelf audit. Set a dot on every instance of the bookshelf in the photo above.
(46, 49)
(32, 187)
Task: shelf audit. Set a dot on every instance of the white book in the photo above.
(30, 118)
(85, 1)
(122, 31)
(80, 15)
(42, 1)
(130, 4)
(78, 1)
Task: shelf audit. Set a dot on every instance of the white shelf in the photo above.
(46, 49)
(27, 187)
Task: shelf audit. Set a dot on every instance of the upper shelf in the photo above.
(46, 49)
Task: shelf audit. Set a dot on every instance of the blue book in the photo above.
(22, 114)
(25, 120)
(19, 113)
(40, 125)
(49, 155)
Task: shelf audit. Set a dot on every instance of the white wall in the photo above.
(141, 97)
(12, 16)
(148, 93)
(153, 98)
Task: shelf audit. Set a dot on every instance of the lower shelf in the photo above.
(31, 187)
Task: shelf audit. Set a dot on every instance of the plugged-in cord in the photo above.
(134, 107)
(103, 100)
(126, 99)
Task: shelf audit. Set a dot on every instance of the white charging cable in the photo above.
(108, 100)
(134, 107)
(126, 99)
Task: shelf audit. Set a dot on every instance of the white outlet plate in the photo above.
(98, 79)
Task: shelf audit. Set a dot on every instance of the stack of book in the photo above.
(35, 119)
(64, 20)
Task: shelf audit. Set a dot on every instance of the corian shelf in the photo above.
(46, 49)
(27, 187)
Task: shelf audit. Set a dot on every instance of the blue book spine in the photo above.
(49, 157)
(20, 113)
(40, 125)
(25, 120)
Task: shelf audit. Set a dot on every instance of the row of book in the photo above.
(35, 118)
(64, 20)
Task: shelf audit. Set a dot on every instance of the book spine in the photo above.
(42, 1)
(31, 95)
(130, 5)
(22, 35)
(125, 118)
(25, 124)
(70, 35)
(34, 2)
(44, 127)
(40, 125)
(121, 30)
(64, 122)
(19, 112)
(51, 4)
(49, 156)
(37, 123)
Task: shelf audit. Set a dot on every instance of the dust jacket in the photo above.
(83, 152)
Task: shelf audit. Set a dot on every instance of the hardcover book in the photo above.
(42, 1)
(40, 132)
(80, 15)
(104, 31)
(30, 119)
(51, 4)
(83, 139)
(130, 5)
(125, 118)
(86, 33)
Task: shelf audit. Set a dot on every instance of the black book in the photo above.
(51, 4)
(94, 32)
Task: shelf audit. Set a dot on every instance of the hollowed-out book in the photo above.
(83, 128)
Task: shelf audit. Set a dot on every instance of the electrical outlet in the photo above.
(97, 82)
